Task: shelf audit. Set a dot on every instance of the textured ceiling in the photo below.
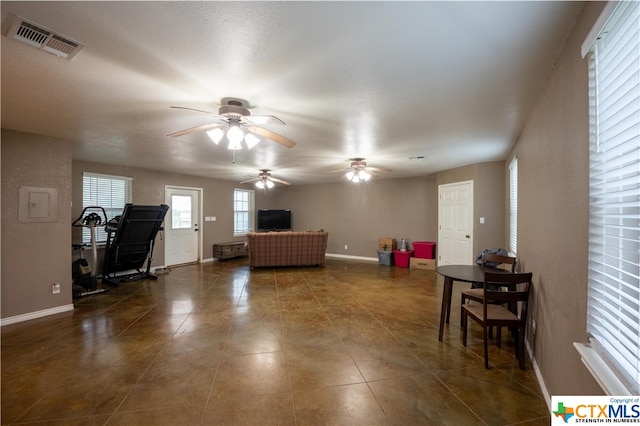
(450, 81)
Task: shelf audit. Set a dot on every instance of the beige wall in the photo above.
(357, 215)
(553, 160)
(354, 215)
(35, 255)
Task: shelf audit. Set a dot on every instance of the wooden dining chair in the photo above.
(500, 308)
(476, 293)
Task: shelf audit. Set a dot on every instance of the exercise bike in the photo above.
(85, 281)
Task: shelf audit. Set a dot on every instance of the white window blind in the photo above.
(513, 207)
(243, 211)
(109, 192)
(613, 314)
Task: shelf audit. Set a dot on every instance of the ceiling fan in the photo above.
(359, 171)
(265, 180)
(234, 116)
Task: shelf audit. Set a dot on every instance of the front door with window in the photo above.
(182, 226)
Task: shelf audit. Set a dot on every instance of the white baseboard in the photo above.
(37, 314)
(543, 387)
(161, 267)
(346, 256)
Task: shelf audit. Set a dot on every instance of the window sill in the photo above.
(600, 371)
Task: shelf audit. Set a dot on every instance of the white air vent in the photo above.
(43, 38)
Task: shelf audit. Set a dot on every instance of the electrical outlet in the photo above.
(346, 247)
(55, 288)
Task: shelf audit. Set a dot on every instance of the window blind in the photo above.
(243, 211)
(109, 192)
(513, 207)
(613, 312)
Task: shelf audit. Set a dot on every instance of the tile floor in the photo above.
(354, 343)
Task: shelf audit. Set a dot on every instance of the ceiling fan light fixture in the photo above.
(265, 183)
(357, 176)
(215, 135)
(251, 140)
(234, 134)
(241, 124)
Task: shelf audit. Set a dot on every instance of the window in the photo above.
(181, 211)
(613, 310)
(109, 192)
(243, 211)
(513, 207)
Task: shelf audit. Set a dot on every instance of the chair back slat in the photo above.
(496, 258)
(511, 289)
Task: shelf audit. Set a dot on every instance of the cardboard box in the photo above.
(419, 263)
(390, 244)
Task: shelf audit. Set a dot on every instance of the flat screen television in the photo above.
(274, 220)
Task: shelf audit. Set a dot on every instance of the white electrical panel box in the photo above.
(37, 204)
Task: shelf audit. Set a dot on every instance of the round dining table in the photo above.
(461, 273)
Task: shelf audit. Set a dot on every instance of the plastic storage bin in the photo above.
(401, 258)
(385, 257)
(424, 249)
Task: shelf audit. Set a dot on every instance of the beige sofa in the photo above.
(288, 248)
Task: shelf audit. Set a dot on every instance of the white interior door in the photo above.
(182, 230)
(455, 223)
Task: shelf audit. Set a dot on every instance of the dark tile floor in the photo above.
(354, 343)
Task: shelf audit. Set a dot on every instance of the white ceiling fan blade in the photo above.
(344, 170)
(251, 180)
(378, 169)
(263, 119)
(195, 129)
(284, 182)
(273, 136)
(201, 111)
